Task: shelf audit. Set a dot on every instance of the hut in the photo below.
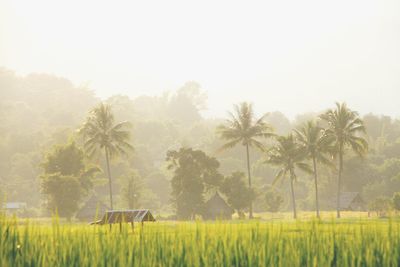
(349, 201)
(92, 209)
(125, 216)
(217, 208)
(14, 207)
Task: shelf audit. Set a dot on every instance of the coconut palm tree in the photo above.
(316, 145)
(243, 128)
(288, 155)
(344, 128)
(100, 132)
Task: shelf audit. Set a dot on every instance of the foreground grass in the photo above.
(357, 242)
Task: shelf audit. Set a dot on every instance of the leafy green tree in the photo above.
(194, 173)
(344, 128)
(273, 200)
(64, 193)
(66, 178)
(238, 194)
(316, 144)
(243, 128)
(288, 155)
(386, 179)
(101, 132)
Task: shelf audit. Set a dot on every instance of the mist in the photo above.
(199, 133)
(290, 56)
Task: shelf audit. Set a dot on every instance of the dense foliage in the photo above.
(238, 194)
(244, 128)
(194, 173)
(66, 179)
(38, 111)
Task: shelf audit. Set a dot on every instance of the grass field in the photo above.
(345, 242)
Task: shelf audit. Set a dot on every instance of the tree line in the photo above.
(40, 112)
(311, 142)
(194, 172)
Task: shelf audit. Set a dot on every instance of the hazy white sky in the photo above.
(293, 56)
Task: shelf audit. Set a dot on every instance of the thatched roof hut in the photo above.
(217, 208)
(92, 209)
(127, 216)
(350, 201)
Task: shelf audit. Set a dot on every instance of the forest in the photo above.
(47, 162)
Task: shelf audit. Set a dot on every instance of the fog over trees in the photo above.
(40, 115)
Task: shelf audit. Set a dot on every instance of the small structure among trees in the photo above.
(14, 207)
(92, 209)
(351, 201)
(217, 208)
(125, 216)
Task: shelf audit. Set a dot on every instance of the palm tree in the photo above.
(316, 145)
(243, 128)
(344, 128)
(288, 155)
(101, 132)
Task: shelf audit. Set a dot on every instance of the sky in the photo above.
(292, 56)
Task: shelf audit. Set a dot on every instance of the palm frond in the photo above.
(304, 167)
(281, 173)
(228, 145)
(243, 128)
(99, 131)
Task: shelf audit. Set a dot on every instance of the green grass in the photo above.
(349, 242)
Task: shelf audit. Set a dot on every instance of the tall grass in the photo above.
(287, 243)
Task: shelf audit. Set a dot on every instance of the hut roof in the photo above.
(216, 202)
(348, 201)
(14, 205)
(348, 198)
(118, 216)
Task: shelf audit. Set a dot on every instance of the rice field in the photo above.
(345, 242)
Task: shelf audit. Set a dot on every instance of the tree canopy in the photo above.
(66, 179)
(38, 111)
(194, 173)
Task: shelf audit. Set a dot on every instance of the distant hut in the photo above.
(350, 201)
(127, 216)
(92, 209)
(217, 208)
(14, 207)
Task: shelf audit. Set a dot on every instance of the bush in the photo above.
(381, 206)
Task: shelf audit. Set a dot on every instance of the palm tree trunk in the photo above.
(130, 195)
(109, 177)
(339, 181)
(293, 197)
(316, 187)
(133, 196)
(249, 176)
